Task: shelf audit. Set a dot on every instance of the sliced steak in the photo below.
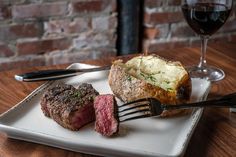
(107, 122)
(70, 107)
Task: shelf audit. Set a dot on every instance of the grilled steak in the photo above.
(70, 107)
(107, 122)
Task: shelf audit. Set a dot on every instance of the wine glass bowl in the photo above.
(205, 17)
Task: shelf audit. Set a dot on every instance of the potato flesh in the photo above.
(165, 74)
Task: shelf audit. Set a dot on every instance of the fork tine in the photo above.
(133, 107)
(136, 101)
(136, 117)
(140, 108)
(133, 112)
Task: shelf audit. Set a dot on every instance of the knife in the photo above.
(55, 74)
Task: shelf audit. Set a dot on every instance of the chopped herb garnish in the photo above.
(129, 68)
(90, 98)
(129, 78)
(152, 78)
(167, 81)
(169, 89)
(77, 94)
(141, 60)
(148, 77)
(142, 74)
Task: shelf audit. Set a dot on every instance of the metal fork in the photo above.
(151, 107)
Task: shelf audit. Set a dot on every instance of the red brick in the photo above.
(12, 2)
(215, 39)
(229, 26)
(114, 5)
(26, 30)
(68, 26)
(174, 2)
(181, 30)
(5, 51)
(14, 31)
(163, 17)
(80, 55)
(161, 3)
(154, 3)
(17, 63)
(156, 46)
(90, 6)
(42, 46)
(113, 22)
(196, 42)
(220, 38)
(151, 33)
(98, 53)
(95, 40)
(160, 31)
(39, 10)
(103, 23)
(5, 12)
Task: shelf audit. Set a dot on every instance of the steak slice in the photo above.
(70, 107)
(106, 109)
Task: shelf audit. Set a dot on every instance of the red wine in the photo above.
(206, 18)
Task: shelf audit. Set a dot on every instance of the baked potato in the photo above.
(150, 76)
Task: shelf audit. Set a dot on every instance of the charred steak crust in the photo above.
(70, 107)
(106, 111)
(54, 94)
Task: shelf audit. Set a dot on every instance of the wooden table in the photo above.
(215, 134)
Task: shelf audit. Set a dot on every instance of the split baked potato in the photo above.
(150, 76)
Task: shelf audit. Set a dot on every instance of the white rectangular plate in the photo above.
(143, 137)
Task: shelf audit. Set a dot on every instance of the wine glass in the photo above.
(205, 17)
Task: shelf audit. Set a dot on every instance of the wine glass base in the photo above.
(208, 73)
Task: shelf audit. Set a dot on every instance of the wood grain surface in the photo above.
(214, 136)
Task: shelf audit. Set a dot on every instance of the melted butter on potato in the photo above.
(156, 71)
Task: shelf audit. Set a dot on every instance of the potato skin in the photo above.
(128, 88)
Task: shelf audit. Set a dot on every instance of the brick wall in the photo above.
(45, 32)
(165, 27)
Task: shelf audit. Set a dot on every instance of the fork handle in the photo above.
(225, 101)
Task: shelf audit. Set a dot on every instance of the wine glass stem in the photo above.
(204, 41)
